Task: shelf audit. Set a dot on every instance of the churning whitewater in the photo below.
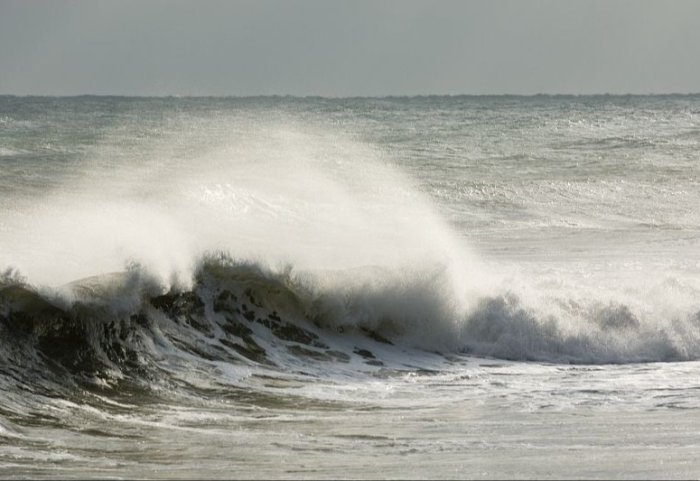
(193, 266)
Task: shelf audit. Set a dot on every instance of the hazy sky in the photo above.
(354, 47)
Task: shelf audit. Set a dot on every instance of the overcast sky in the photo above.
(345, 48)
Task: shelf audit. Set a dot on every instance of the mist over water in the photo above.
(312, 198)
(270, 253)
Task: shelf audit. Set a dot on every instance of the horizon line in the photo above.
(341, 97)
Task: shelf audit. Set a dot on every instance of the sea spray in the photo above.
(311, 198)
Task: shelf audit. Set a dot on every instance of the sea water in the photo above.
(428, 287)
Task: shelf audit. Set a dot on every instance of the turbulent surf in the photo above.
(279, 275)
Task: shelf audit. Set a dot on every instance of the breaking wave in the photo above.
(128, 329)
(322, 258)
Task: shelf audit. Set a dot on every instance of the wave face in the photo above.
(123, 329)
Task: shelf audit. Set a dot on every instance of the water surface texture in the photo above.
(277, 287)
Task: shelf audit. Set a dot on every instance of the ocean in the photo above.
(281, 287)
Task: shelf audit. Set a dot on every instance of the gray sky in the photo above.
(354, 47)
